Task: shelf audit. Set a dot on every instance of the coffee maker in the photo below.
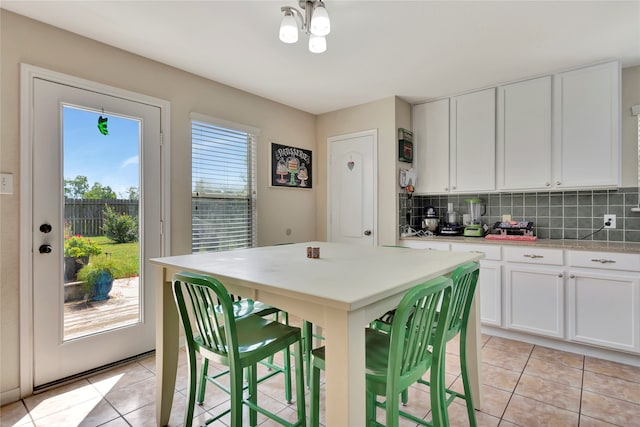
(451, 226)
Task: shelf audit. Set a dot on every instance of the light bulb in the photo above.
(288, 28)
(317, 44)
(320, 24)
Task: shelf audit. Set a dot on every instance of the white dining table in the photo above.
(341, 291)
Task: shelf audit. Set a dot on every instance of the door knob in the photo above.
(45, 249)
(367, 232)
(45, 228)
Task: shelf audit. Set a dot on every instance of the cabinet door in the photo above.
(431, 136)
(534, 299)
(587, 141)
(490, 291)
(604, 309)
(473, 142)
(524, 135)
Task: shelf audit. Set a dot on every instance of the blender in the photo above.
(476, 209)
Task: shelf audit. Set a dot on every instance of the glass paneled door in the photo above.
(96, 220)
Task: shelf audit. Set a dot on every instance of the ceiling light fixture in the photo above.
(314, 22)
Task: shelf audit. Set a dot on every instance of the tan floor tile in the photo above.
(528, 412)
(118, 422)
(64, 397)
(504, 423)
(452, 364)
(458, 417)
(609, 409)
(504, 359)
(510, 346)
(498, 377)
(549, 392)
(611, 386)
(612, 369)
(140, 417)
(120, 377)
(559, 373)
(14, 414)
(484, 338)
(592, 422)
(88, 414)
(494, 400)
(133, 397)
(558, 356)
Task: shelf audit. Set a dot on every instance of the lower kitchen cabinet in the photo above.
(490, 291)
(604, 309)
(534, 299)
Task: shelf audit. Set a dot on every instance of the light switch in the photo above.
(6, 183)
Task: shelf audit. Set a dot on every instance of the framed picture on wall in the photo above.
(290, 167)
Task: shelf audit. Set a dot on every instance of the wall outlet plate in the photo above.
(610, 220)
(6, 183)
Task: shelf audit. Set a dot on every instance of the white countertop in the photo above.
(586, 245)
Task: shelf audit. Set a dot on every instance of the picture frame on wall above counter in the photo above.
(291, 167)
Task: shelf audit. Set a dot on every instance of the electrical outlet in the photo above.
(6, 183)
(609, 221)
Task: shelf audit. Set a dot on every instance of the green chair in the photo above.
(398, 359)
(238, 343)
(465, 280)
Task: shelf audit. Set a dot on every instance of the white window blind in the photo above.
(223, 202)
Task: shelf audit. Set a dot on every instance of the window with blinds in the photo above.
(223, 170)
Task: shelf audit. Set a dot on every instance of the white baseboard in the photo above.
(585, 350)
(9, 396)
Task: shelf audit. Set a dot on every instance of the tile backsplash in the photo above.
(555, 215)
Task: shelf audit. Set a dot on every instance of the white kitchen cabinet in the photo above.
(425, 244)
(489, 282)
(523, 154)
(473, 142)
(534, 299)
(431, 145)
(604, 300)
(586, 149)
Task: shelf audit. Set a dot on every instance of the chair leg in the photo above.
(236, 388)
(287, 374)
(300, 400)
(440, 416)
(253, 394)
(465, 380)
(307, 343)
(405, 397)
(191, 396)
(370, 409)
(203, 381)
(314, 405)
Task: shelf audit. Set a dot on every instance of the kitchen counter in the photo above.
(587, 245)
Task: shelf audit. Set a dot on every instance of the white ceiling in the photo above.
(417, 50)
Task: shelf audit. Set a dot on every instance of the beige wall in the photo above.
(630, 97)
(28, 41)
(381, 115)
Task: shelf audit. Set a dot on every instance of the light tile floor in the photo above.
(524, 385)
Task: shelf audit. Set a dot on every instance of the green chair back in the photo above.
(465, 279)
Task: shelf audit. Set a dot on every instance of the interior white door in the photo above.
(57, 352)
(352, 188)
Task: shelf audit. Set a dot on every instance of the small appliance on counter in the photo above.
(431, 221)
(476, 209)
(513, 230)
(451, 226)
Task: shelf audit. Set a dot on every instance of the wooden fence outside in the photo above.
(85, 216)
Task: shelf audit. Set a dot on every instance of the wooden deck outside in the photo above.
(89, 317)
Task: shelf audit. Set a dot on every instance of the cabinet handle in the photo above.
(453, 188)
(558, 183)
(446, 188)
(547, 184)
(573, 276)
(560, 275)
(532, 256)
(604, 261)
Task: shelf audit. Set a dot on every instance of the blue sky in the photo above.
(111, 160)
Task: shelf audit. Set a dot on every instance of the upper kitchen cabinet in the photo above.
(586, 149)
(431, 133)
(524, 135)
(473, 142)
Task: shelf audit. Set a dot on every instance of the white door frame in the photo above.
(373, 133)
(27, 75)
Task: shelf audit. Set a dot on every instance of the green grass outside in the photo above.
(126, 254)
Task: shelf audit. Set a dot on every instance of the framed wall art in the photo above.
(290, 167)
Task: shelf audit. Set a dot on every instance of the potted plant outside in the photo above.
(98, 276)
(77, 250)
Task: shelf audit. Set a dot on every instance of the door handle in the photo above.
(45, 249)
(45, 228)
(367, 232)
